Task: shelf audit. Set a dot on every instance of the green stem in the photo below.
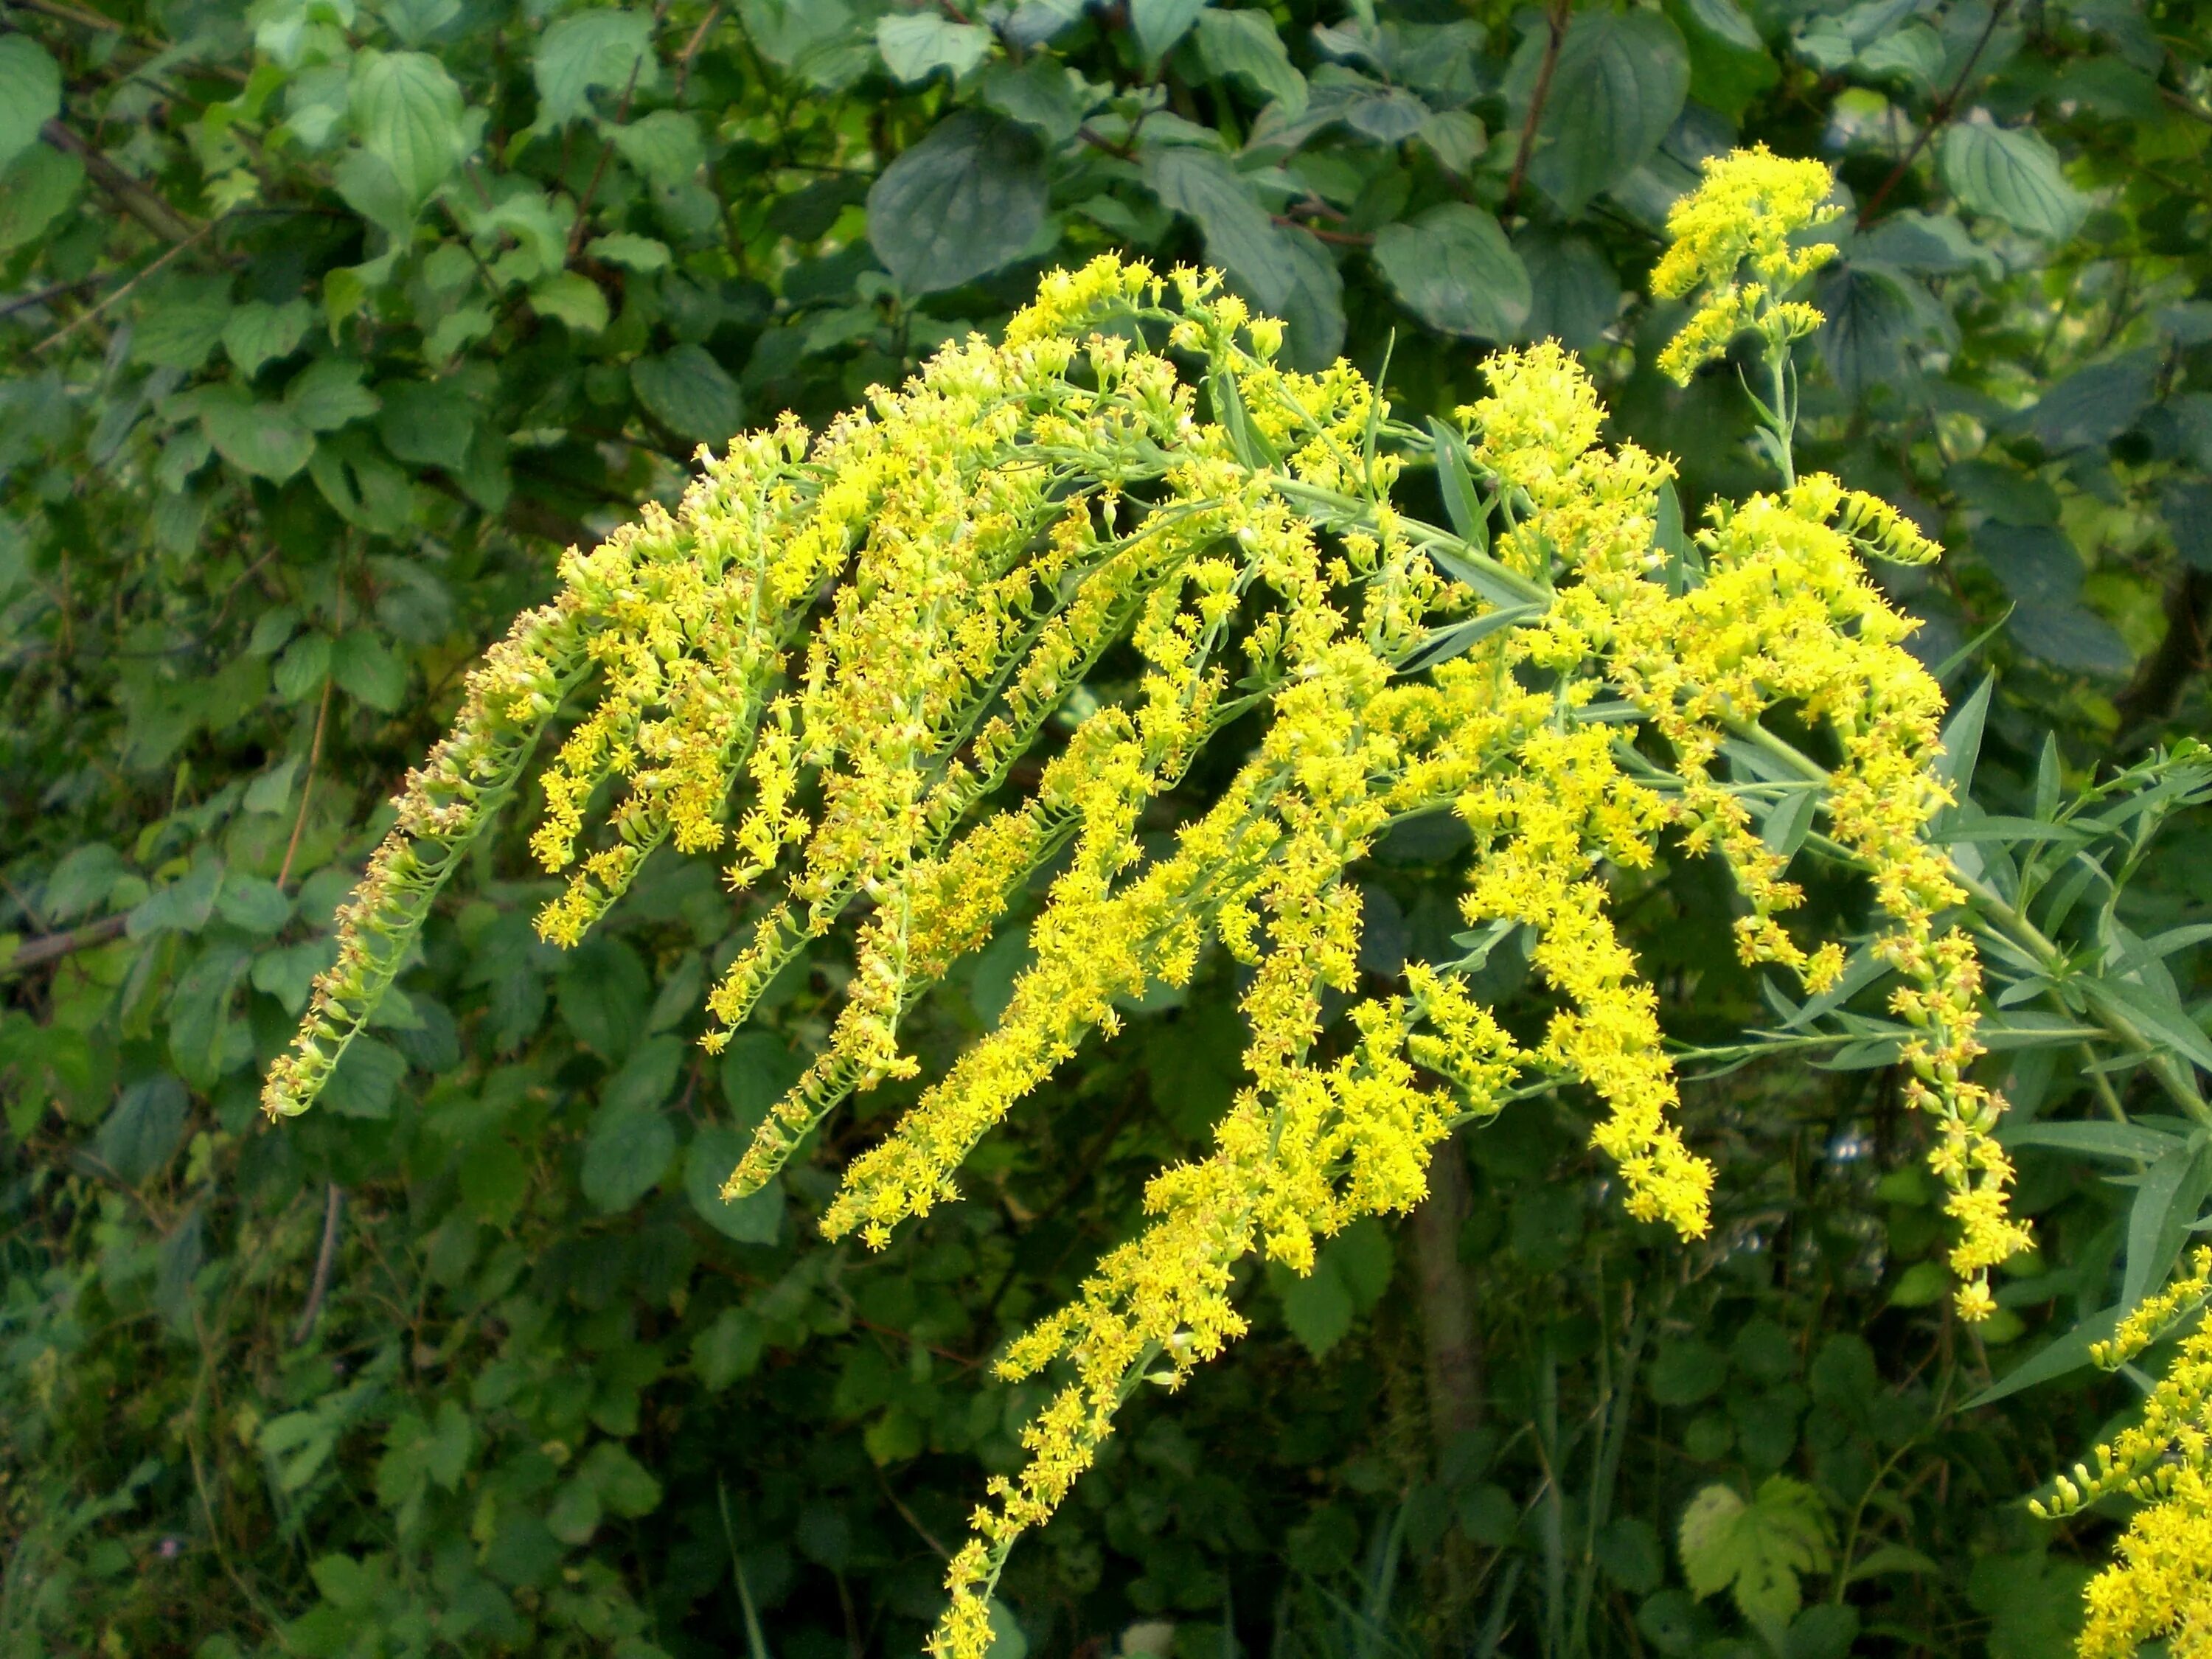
(2176, 1079)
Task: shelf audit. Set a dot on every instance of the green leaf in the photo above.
(713, 1153)
(1575, 296)
(689, 393)
(1317, 1306)
(406, 110)
(30, 93)
(264, 438)
(328, 394)
(257, 333)
(1461, 505)
(427, 422)
(728, 1349)
(2070, 636)
(1245, 45)
(367, 669)
(2095, 404)
(589, 51)
(1312, 311)
(304, 666)
(181, 321)
(917, 45)
(287, 973)
(640, 253)
(625, 1155)
(252, 904)
(966, 200)
(622, 1482)
(665, 146)
(1619, 81)
(368, 184)
(1042, 93)
(2013, 174)
(569, 298)
(1456, 138)
(366, 1081)
(1160, 23)
(2056, 1359)
(36, 189)
(1454, 269)
(1873, 317)
(1241, 236)
(1729, 64)
(1685, 1372)
(2166, 1203)
(144, 1131)
(1962, 740)
(2126, 1143)
(1757, 1551)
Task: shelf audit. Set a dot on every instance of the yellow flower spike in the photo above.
(1749, 211)
(825, 665)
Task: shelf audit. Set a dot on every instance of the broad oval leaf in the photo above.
(689, 393)
(757, 1219)
(30, 94)
(625, 1155)
(589, 52)
(266, 440)
(1453, 269)
(407, 112)
(917, 45)
(1619, 81)
(1241, 236)
(2012, 175)
(966, 200)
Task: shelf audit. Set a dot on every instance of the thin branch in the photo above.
(95, 310)
(53, 946)
(141, 203)
(307, 789)
(1937, 117)
(1344, 238)
(67, 14)
(320, 1286)
(692, 47)
(25, 302)
(1555, 24)
(583, 224)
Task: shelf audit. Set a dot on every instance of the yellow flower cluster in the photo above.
(2161, 1586)
(827, 662)
(1752, 210)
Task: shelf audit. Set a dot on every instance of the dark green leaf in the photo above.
(1454, 269)
(1241, 237)
(589, 51)
(407, 112)
(625, 1155)
(30, 93)
(264, 438)
(144, 1130)
(2013, 174)
(966, 200)
(713, 1154)
(689, 393)
(917, 45)
(1617, 87)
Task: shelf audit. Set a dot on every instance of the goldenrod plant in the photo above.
(824, 667)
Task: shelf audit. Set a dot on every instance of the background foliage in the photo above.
(326, 323)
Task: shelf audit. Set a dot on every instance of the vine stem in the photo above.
(307, 789)
(1555, 24)
(1938, 117)
(2176, 1079)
